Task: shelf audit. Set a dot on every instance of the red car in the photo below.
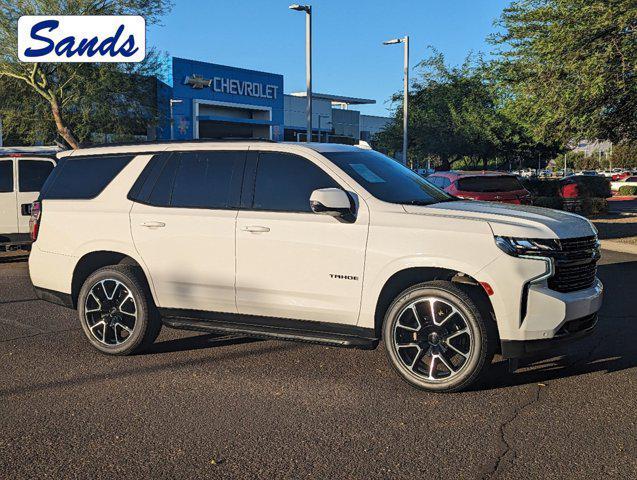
(490, 187)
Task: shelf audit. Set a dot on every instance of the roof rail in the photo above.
(177, 142)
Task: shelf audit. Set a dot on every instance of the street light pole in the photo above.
(308, 63)
(172, 118)
(405, 42)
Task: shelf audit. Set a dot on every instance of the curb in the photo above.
(618, 247)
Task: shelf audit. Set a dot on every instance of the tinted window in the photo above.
(285, 182)
(83, 177)
(144, 183)
(163, 188)
(6, 176)
(32, 174)
(489, 184)
(204, 179)
(386, 179)
(199, 180)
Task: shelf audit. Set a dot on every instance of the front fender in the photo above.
(374, 286)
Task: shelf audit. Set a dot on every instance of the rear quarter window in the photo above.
(77, 178)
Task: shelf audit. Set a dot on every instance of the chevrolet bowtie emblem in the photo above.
(197, 81)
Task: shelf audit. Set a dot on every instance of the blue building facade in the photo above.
(219, 101)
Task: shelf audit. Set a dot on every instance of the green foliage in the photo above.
(590, 187)
(625, 155)
(586, 206)
(555, 203)
(577, 161)
(74, 100)
(456, 115)
(571, 67)
(627, 190)
(542, 187)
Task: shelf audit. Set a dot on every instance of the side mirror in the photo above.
(330, 201)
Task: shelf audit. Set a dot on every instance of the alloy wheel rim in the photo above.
(432, 339)
(110, 312)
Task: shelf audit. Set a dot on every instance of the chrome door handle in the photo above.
(153, 224)
(256, 229)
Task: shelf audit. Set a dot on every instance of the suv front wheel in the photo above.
(437, 338)
(117, 312)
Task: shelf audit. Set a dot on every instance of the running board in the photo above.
(335, 335)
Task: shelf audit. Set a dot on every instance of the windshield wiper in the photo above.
(418, 202)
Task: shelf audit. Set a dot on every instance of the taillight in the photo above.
(570, 191)
(34, 221)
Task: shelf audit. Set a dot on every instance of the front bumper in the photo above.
(570, 331)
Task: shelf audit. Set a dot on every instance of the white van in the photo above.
(23, 171)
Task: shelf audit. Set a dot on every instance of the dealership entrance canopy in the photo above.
(218, 101)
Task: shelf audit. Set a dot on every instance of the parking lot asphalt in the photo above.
(204, 406)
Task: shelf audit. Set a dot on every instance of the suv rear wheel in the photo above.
(437, 338)
(117, 312)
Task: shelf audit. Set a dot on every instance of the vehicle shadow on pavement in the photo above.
(611, 347)
(197, 342)
(133, 370)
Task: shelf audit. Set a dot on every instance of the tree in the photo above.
(625, 155)
(571, 66)
(457, 113)
(81, 95)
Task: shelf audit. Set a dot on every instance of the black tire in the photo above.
(145, 327)
(464, 363)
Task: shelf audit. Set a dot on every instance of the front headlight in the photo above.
(523, 247)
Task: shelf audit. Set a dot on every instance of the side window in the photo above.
(200, 180)
(204, 179)
(6, 176)
(83, 177)
(445, 183)
(32, 174)
(163, 188)
(284, 182)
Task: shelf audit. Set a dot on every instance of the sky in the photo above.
(348, 56)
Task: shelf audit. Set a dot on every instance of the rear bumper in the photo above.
(570, 331)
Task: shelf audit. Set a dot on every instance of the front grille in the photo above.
(575, 264)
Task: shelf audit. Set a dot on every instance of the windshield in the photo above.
(489, 184)
(386, 179)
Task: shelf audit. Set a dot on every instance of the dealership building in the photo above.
(218, 101)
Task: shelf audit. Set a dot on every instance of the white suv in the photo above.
(320, 243)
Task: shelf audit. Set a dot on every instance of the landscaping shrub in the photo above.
(590, 187)
(555, 202)
(542, 187)
(627, 190)
(586, 206)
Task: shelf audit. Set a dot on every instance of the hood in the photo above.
(508, 220)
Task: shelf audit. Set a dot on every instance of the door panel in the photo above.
(186, 226)
(291, 262)
(190, 258)
(306, 266)
(31, 174)
(8, 198)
